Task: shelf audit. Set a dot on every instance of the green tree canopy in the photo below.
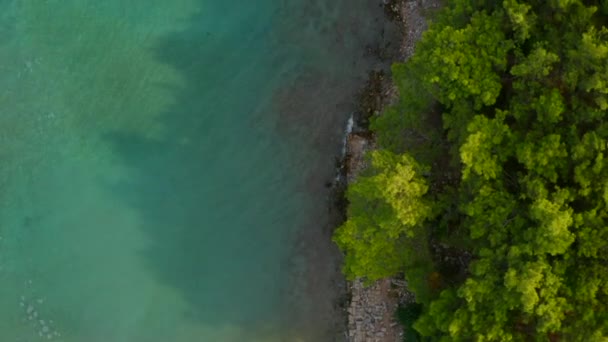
(519, 90)
(387, 206)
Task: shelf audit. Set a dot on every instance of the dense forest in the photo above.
(489, 189)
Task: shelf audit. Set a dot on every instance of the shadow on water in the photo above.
(186, 188)
(227, 193)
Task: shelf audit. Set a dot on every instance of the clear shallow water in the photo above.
(162, 166)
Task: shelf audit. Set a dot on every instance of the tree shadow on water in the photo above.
(207, 238)
(218, 194)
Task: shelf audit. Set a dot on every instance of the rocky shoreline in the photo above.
(371, 309)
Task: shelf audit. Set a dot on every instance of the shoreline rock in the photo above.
(371, 309)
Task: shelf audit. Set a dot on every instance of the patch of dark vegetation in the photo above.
(408, 314)
(371, 99)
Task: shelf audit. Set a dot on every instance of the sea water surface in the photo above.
(163, 166)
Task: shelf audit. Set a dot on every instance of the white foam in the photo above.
(349, 129)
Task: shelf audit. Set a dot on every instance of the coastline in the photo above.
(370, 310)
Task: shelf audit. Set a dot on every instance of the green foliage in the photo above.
(519, 89)
(459, 63)
(522, 20)
(402, 124)
(481, 152)
(407, 315)
(386, 208)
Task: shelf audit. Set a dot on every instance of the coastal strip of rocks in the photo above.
(371, 308)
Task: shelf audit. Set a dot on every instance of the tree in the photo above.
(386, 208)
(522, 92)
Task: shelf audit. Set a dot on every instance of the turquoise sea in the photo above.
(164, 166)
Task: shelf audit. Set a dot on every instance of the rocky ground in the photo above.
(371, 311)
